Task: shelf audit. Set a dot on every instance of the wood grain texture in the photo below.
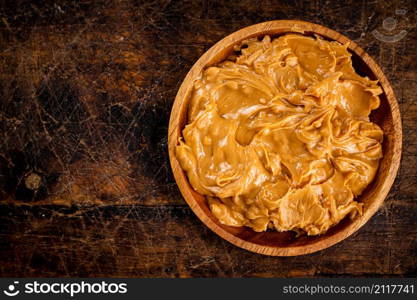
(387, 116)
(86, 92)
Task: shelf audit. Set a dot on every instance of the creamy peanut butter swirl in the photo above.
(279, 136)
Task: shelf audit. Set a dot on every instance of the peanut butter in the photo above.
(279, 137)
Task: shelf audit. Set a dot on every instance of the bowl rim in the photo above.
(261, 29)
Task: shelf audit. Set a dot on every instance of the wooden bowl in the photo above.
(387, 116)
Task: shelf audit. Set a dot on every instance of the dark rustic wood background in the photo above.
(86, 89)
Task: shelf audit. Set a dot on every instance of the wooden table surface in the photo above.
(85, 185)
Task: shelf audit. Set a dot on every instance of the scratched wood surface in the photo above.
(85, 185)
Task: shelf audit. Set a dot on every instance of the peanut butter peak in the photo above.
(279, 137)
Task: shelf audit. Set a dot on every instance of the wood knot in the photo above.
(33, 181)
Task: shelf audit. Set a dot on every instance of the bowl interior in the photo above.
(283, 243)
